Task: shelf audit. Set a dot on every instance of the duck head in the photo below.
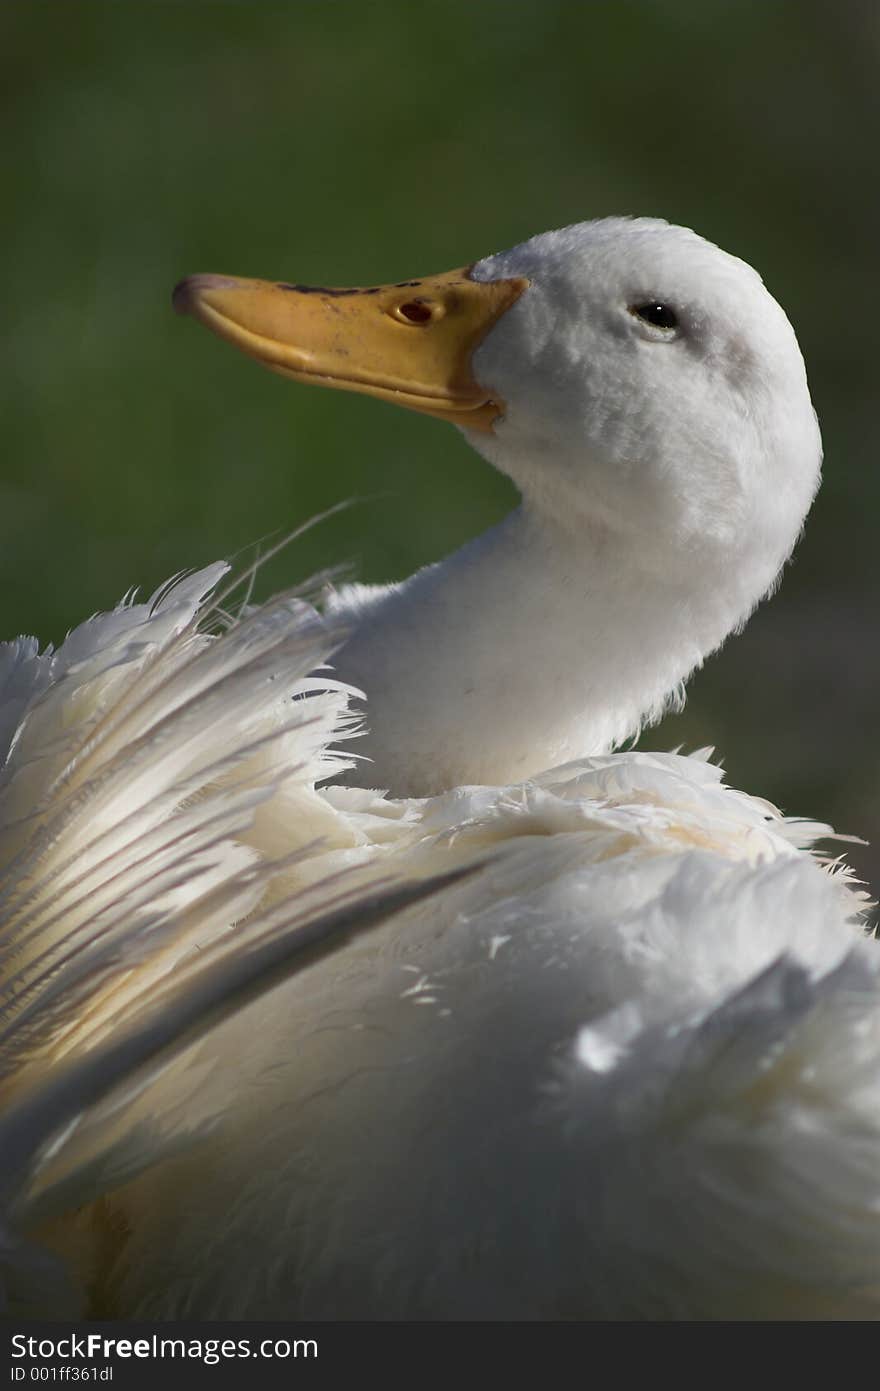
(623, 372)
(653, 384)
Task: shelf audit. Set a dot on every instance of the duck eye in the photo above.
(660, 315)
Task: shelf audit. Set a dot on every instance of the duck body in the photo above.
(547, 1032)
(603, 1081)
(627, 1069)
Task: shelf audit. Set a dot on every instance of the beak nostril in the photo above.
(414, 312)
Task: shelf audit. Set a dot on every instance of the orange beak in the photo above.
(411, 343)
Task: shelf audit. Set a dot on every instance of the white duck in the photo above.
(625, 1067)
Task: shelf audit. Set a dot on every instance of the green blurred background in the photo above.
(362, 142)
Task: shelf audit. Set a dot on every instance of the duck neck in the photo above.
(534, 644)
